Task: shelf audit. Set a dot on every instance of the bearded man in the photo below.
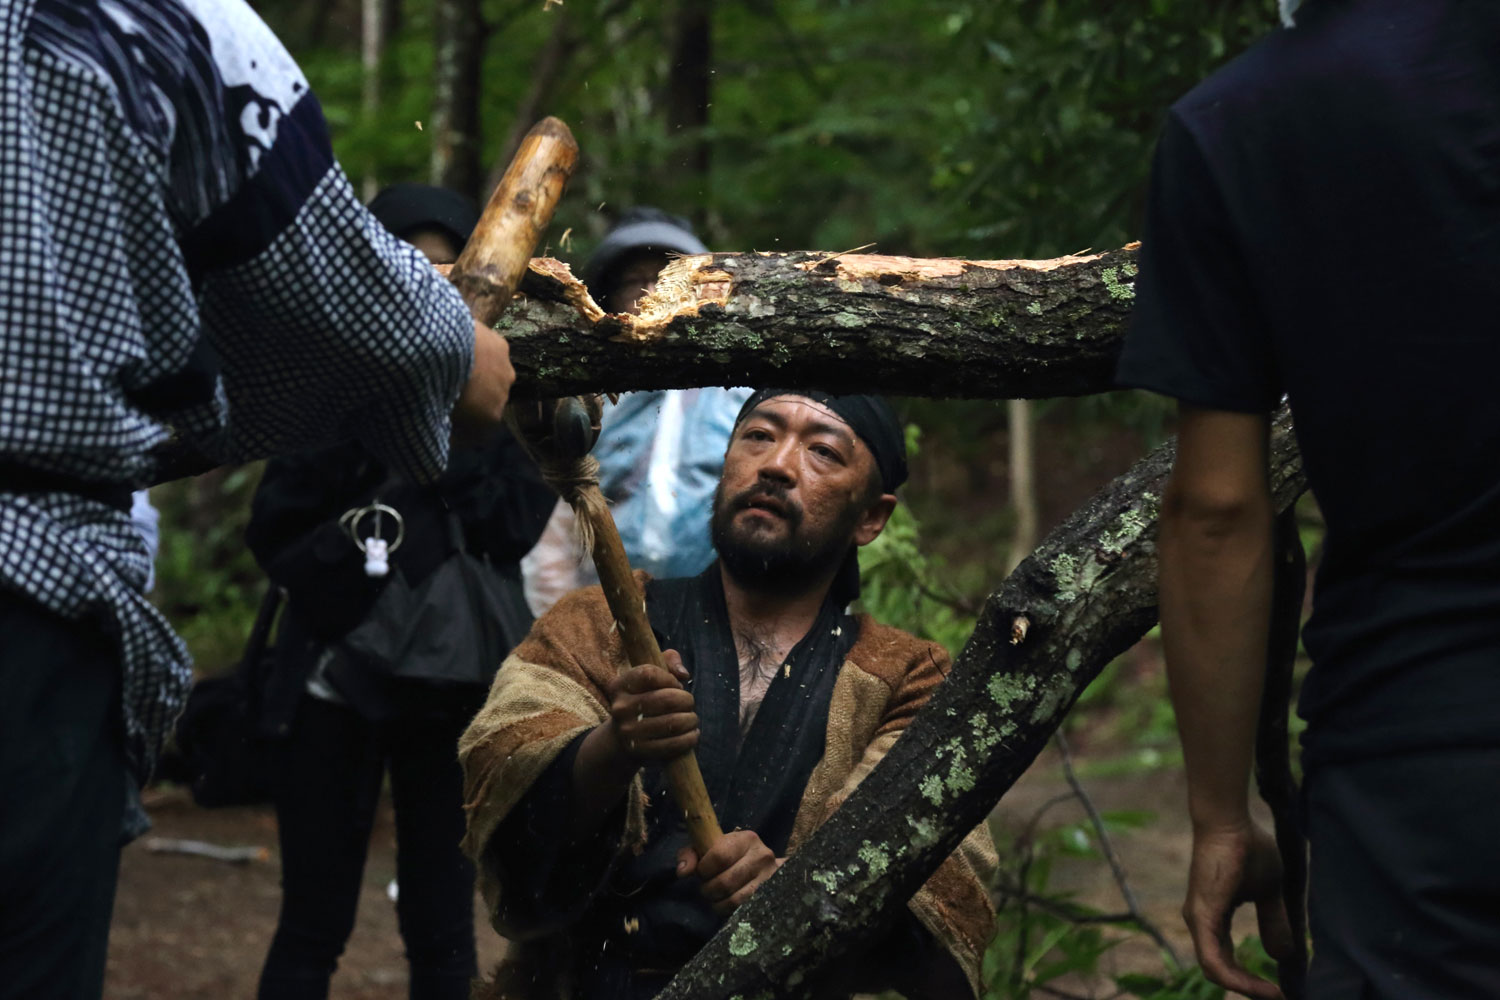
(788, 700)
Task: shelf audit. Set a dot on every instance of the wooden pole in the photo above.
(628, 605)
(498, 253)
(487, 274)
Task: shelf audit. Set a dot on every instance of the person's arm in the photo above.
(337, 329)
(1215, 545)
(481, 403)
(325, 326)
(519, 756)
(651, 721)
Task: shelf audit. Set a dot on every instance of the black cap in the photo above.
(870, 417)
(408, 208)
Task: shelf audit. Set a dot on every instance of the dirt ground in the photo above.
(189, 928)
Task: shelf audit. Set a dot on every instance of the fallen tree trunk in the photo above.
(1086, 595)
(941, 327)
(845, 322)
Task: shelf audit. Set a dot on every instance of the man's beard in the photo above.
(790, 563)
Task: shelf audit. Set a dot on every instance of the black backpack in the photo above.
(226, 759)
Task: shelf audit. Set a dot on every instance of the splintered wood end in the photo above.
(684, 287)
(563, 286)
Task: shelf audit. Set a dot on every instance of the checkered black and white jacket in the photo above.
(179, 248)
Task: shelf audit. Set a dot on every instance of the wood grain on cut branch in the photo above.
(1086, 595)
(938, 327)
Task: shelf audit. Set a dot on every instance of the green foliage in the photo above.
(1049, 150)
(1190, 984)
(955, 127)
(1043, 935)
(1046, 939)
(901, 585)
(1130, 710)
(1033, 947)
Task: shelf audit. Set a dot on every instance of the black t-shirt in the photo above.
(1324, 221)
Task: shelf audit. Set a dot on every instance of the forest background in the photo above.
(982, 129)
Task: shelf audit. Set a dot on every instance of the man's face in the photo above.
(632, 279)
(799, 488)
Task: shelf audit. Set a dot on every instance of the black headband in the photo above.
(870, 417)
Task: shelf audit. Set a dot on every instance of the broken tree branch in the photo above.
(938, 327)
(941, 327)
(1088, 593)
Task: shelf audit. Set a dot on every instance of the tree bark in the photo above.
(850, 322)
(374, 20)
(847, 323)
(455, 115)
(1085, 596)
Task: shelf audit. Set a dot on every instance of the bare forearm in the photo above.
(601, 777)
(1215, 609)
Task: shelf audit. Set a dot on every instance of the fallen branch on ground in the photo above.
(203, 849)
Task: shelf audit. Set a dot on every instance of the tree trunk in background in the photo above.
(1086, 595)
(689, 93)
(545, 73)
(374, 20)
(459, 52)
(1022, 481)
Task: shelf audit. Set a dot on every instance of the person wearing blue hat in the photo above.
(660, 451)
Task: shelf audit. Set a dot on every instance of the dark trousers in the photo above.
(327, 781)
(62, 802)
(1405, 888)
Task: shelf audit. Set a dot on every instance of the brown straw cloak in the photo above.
(551, 690)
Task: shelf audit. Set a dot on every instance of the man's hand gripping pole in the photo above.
(559, 433)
